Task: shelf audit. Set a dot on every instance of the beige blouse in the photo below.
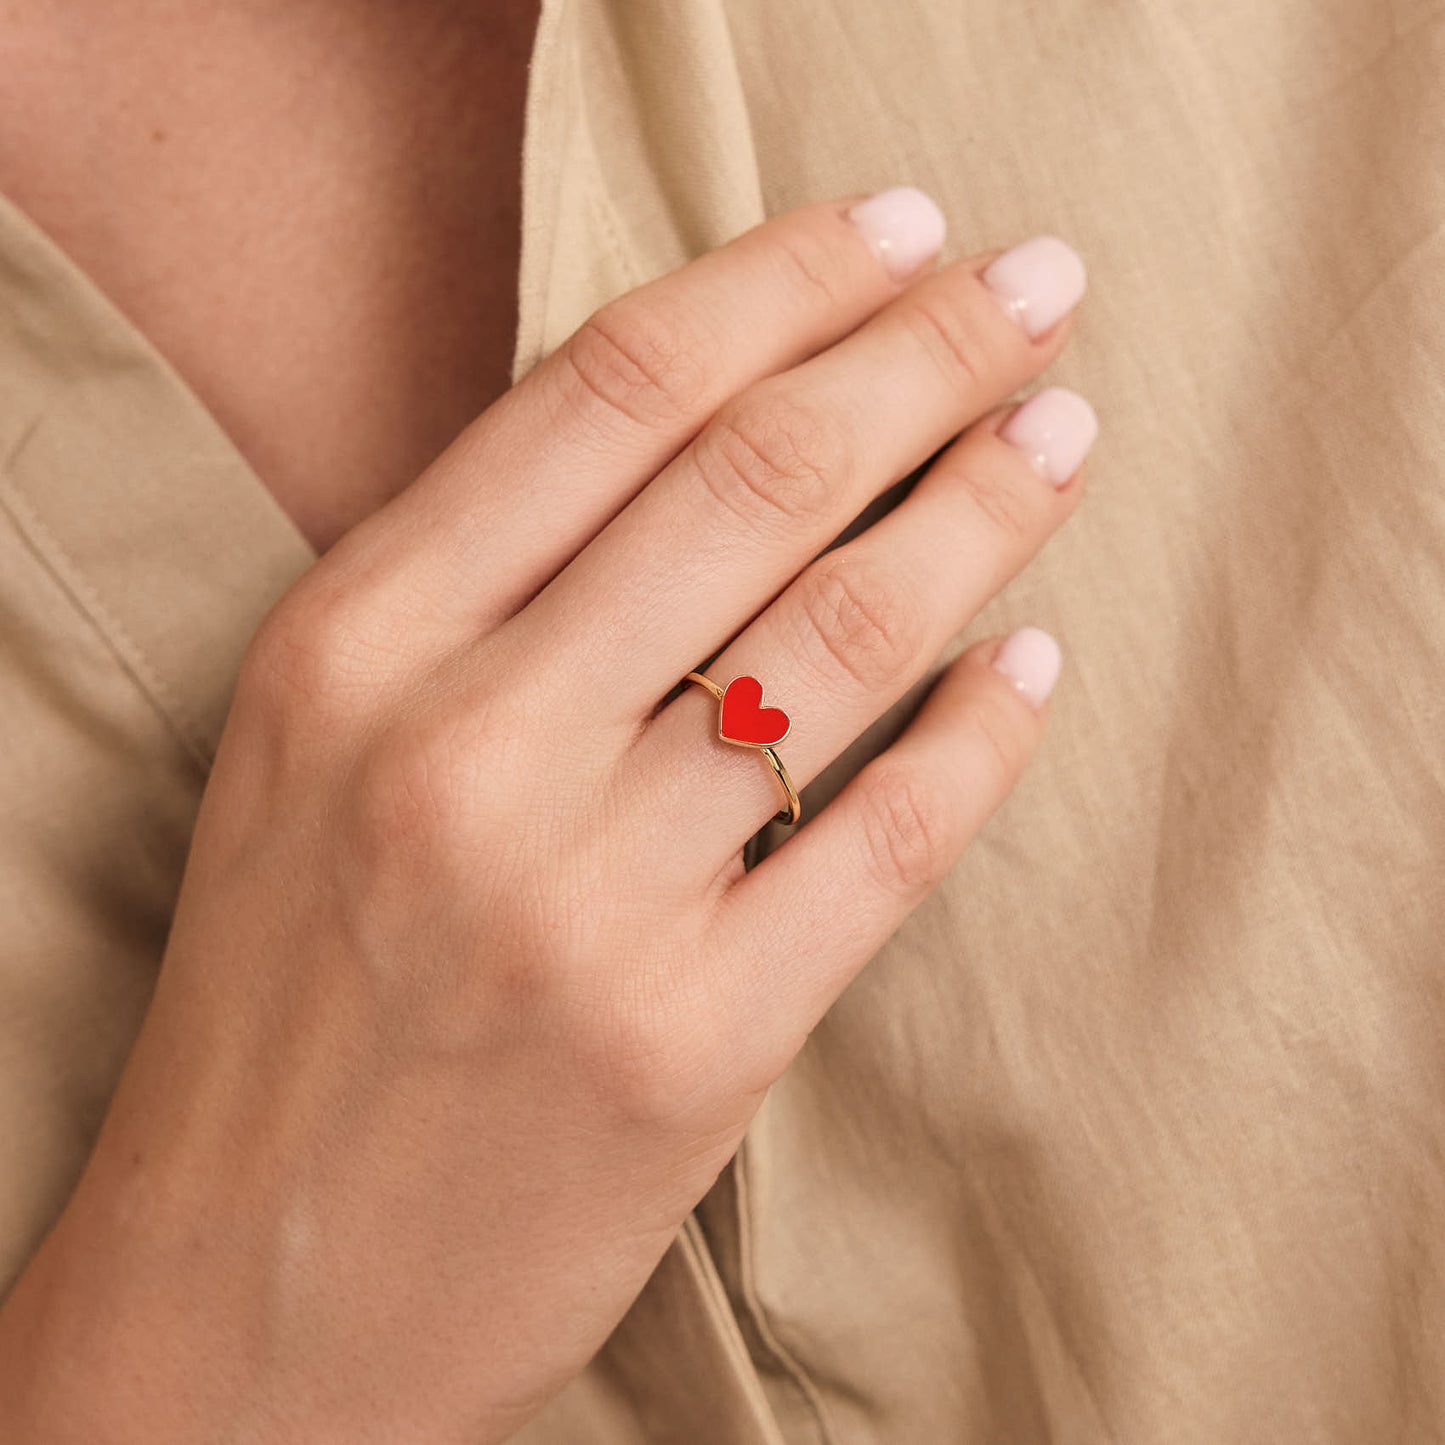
(1135, 1131)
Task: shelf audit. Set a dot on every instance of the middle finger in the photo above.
(858, 627)
(786, 464)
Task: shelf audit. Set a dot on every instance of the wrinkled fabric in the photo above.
(1135, 1131)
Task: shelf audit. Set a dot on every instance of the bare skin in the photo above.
(312, 209)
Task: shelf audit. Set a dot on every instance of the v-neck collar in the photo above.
(127, 488)
(125, 484)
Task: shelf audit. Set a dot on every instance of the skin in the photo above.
(468, 999)
(331, 187)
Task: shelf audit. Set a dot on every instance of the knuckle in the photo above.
(310, 655)
(646, 1052)
(412, 795)
(813, 264)
(862, 618)
(952, 338)
(1009, 503)
(770, 458)
(905, 831)
(1001, 744)
(632, 360)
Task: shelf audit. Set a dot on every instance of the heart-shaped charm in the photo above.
(743, 718)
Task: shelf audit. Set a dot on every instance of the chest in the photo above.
(312, 211)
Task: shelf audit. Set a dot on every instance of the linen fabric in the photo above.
(1135, 1131)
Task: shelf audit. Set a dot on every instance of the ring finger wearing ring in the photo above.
(858, 626)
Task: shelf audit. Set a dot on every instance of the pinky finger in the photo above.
(808, 918)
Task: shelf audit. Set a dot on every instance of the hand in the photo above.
(468, 998)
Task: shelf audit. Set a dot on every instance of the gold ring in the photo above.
(743, 721)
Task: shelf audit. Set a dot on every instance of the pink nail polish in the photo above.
(1030, 659)
(1054, 430)
(903, 226)
(1037, 282)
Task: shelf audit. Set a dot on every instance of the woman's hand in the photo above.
(468, 998)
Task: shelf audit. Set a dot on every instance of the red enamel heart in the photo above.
(744, 718)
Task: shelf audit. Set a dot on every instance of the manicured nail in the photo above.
(903, 226)
(1054, 430)
(1030, 659)
(1037, 282)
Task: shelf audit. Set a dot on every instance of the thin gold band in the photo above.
(794, 810)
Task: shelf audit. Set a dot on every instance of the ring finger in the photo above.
(860, 625)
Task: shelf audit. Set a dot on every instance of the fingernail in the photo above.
(1030, 659)
(1037, 282)
(903, 226)
(1054, 430)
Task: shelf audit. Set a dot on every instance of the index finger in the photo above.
(537, 475)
